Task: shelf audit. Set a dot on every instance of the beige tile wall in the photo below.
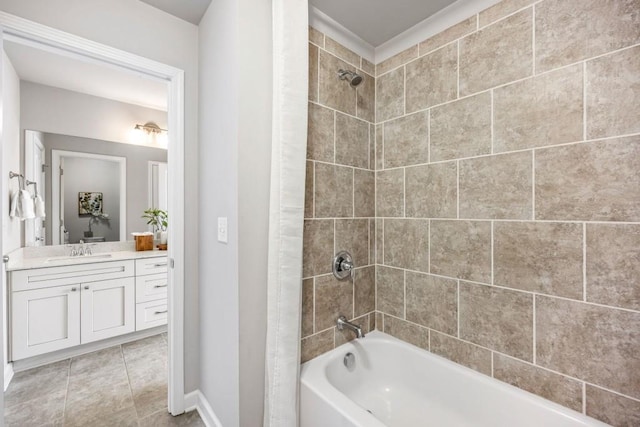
(508, 199)
(506, 233)
(340, 195)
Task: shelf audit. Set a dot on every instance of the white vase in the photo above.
(163, 237)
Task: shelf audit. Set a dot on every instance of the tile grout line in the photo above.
(404, 280)
(126, 370)
(66, 394)
(533, 185)
(584, 100)
(535, 350)
(584, 262)
(492, 122)
(458, 304)
(533, 40)
(584, 397)
(457, 189)
(458, 70)
(313, 323)
(492, 250)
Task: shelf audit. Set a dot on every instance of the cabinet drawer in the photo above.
(38, 278)
(153, 265)
(151, 314)
(151, 287)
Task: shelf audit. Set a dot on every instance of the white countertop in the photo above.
(58, 256)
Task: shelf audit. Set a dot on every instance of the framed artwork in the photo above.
(89, 203)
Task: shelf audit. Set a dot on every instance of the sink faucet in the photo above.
(343, 323)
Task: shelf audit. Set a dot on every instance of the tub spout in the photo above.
(343, 323)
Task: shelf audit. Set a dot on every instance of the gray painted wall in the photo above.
(136, 27)
(137, 172)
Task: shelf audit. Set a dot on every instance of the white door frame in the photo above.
(32, 143)
(20, 30)
(56, 155)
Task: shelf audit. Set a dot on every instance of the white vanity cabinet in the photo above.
(151, 292)
(60, 307)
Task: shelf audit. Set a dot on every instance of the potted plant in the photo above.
(159, 220)
(97, 218)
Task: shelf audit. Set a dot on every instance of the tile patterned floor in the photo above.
(125, 385)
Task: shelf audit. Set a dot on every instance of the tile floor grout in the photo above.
(100, 399)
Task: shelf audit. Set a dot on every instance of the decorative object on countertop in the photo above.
(159, 219)
(144, 241)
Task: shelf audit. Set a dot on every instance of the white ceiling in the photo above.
(67, 72)
(377, 21)
(189, 10)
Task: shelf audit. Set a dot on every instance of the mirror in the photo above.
(78, 117)
(94, 190)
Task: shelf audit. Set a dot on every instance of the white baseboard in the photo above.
(196, 400)
(8, 375)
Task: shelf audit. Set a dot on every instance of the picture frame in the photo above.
(89, 203)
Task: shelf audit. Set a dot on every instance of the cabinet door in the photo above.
(44, 320)
(108, 309)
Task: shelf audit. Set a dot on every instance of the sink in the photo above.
(78, 257)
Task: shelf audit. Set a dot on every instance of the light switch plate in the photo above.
(222, 230)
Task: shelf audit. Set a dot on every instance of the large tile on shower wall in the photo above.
(390, 290)
(542, 110)
(333, 191)
(461, 352)
(307, 307)
(366, 98)
(555, 387)
(539, 257)
(597, 344)
(352, 141)
(496, 318)
(497, 54)
(500, 10)
(364, 292)
(461, 249)
(406, 140)
(568, 31)
(594, 181)
(407, 332)
(432, 79)
(315, 345)
(432, 301)
(461, 128)
(341, 52)
(613, 265)
(352, 235)
(313, 72)
(397, 60)
(336, 93)
(497, 187)
(333, 298)
(612, 93)
(317, 247)
(316, 37)
(320, 133)
(390, 193)
(379, 143)
(379, 236)
(406, 243)
(390, 95)
(611, 408)
(447, 36)
(308, 190)
(432, 190)
(364, 196)
(368, 66)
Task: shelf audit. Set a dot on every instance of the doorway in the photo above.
(53, 41)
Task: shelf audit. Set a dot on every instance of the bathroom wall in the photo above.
(508, 199)
(339, 200)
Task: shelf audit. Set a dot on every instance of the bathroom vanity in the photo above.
(60, 302)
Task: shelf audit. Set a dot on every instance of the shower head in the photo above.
(354, 78)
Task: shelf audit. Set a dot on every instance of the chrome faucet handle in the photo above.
(343, 266)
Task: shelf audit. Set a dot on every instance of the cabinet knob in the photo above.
(87, 287)
(74, 289)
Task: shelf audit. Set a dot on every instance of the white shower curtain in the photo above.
(286, 211)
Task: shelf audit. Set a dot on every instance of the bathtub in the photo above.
(395, 384)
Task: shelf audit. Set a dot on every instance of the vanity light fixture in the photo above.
(150, 132)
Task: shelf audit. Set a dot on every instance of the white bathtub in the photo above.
(395, 384)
